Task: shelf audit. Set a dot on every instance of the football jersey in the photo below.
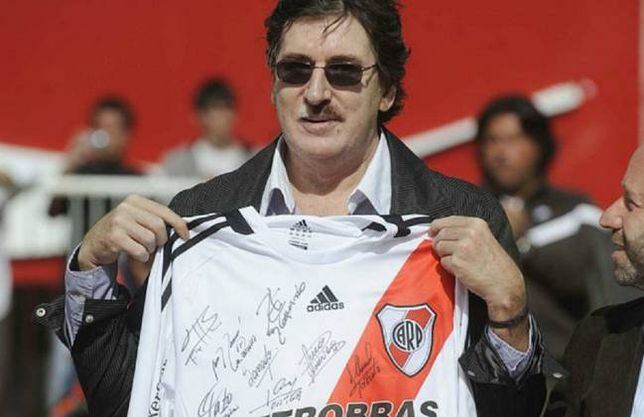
(302, 316)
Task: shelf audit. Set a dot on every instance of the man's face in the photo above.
(508, 155)
(625, 218)
(320, 121)
(111, 121)
(217, 122)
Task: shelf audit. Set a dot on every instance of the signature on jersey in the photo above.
(279, 310)
(217, 404)
(284, 391)
(198, 334)
(362, 370)
(319, 353)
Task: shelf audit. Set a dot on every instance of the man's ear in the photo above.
(388, 99)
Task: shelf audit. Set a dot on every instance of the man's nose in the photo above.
(318, 89)
(611, 218)
(494, 151)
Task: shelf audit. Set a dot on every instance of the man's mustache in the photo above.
(618, 239)
(321, 112)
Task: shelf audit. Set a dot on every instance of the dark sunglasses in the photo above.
(338, 75)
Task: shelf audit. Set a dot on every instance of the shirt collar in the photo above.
(277, 197)
(371, 196)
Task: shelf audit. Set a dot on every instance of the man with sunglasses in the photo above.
(338, 67)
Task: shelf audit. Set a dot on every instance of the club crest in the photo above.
(407, 333)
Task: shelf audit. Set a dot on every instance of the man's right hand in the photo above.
(136, 227)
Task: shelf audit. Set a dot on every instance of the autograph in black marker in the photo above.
(284, 391)
(362, 370)
(278, 311)
(319, 353)
(198, 335)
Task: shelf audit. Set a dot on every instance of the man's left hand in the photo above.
(470, 252)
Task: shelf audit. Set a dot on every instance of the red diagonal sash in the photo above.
(370, 375)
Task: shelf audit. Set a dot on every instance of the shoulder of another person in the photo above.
(614, 318)
(595, 322)
(570, 195)
(561, 200)
(178, 153)
(624, 316)
(240, 188)
(586, 341)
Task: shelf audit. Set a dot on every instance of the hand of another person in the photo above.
(470, 252)
(136, 227)
(79, 151)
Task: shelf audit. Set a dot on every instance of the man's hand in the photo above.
(470, 252)
(136, 227)
(79, 151)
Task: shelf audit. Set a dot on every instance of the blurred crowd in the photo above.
(565, 255)
(99, 149)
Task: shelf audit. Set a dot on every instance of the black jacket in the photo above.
(604, 359)
(105, 351)
(572, 274)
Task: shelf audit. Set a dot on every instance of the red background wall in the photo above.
(56, 57)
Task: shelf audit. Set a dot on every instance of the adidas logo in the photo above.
(325, 301)
(299, 235)
(301, 227)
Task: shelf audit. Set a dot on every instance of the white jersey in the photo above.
(301, 316)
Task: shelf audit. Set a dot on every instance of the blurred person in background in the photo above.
(7, 189)
(564, 253)
(101, 149)
(216, 152)
(98, 150)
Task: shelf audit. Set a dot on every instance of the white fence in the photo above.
(31, 233)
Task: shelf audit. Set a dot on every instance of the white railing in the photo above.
(116, 186)
(91, 196)
(31, 233)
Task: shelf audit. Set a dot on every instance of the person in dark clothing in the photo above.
(102, 147)
(605, 353)
(564, 252)
(99, 151)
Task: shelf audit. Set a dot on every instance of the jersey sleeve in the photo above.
(148, 339)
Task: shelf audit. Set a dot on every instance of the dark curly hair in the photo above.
(381, 21)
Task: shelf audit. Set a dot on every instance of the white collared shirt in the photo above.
(371, 196)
